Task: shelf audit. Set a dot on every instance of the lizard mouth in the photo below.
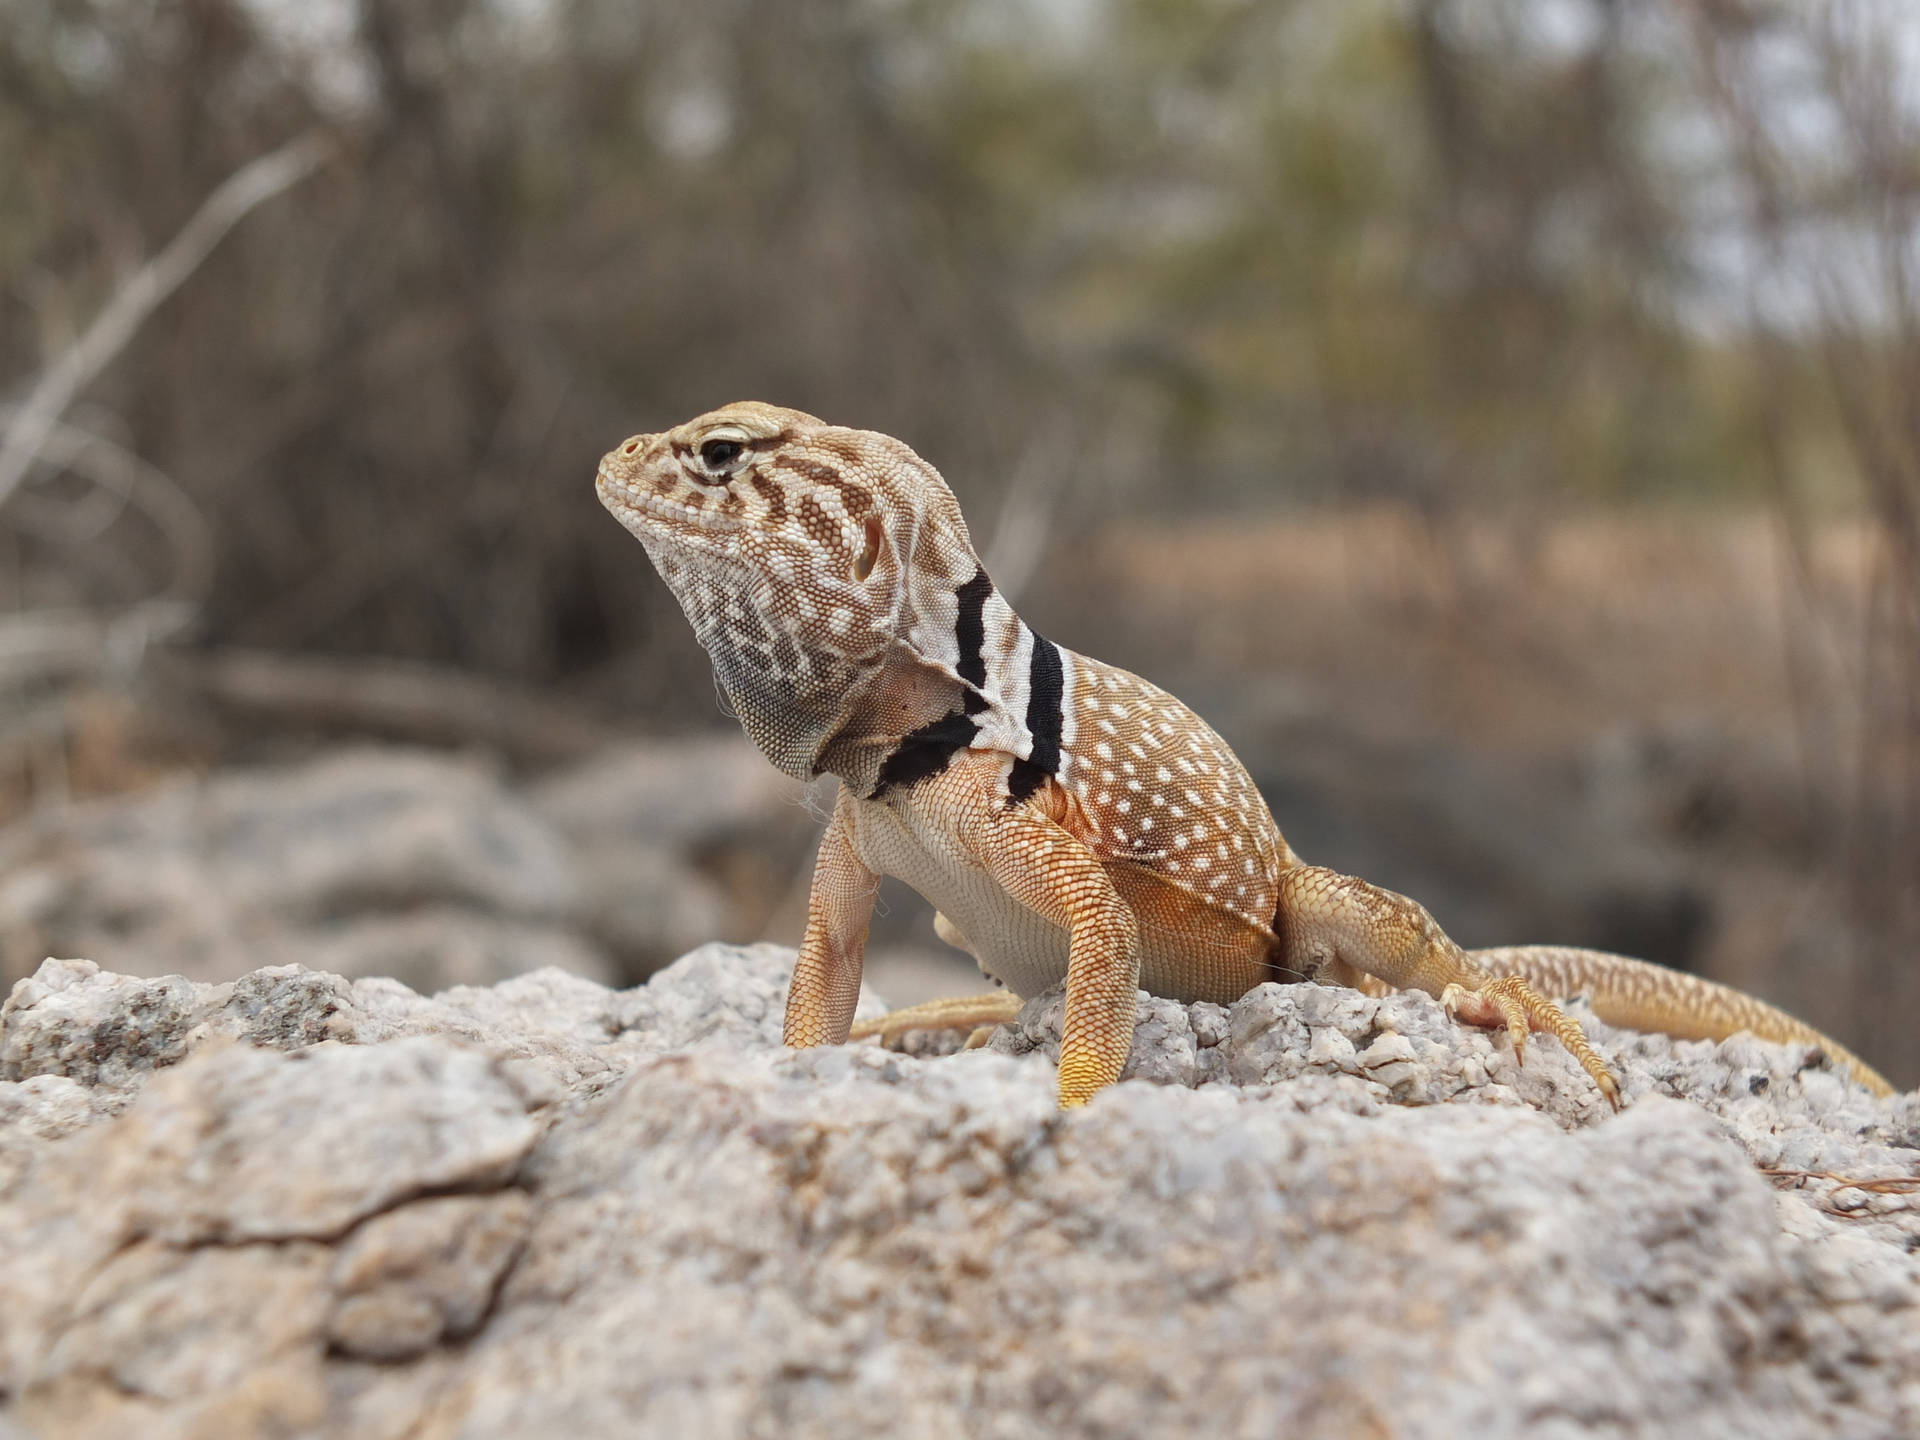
(624, 499)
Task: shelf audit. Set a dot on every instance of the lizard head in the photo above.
(804, 554)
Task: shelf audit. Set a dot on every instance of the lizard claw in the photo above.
(1511, 1002)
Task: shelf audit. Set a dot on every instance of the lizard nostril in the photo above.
(630, 447)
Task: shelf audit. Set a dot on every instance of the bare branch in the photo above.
(130, 480)
(423, 704)
(257, 181)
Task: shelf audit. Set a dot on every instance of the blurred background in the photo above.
(1499, 417)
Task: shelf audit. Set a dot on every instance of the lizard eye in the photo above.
(723, 452)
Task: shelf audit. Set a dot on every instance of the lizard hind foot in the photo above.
(1512, 1003)
(973, 1013)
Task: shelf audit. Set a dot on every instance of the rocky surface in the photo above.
(297, 1204)
(432, 868)
(444, 869)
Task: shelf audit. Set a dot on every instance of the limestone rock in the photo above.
(299, 1204)
(412, 864)
(678, 842)
(366, 861)
(424, 1273)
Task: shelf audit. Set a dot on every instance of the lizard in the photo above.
(1067, 819)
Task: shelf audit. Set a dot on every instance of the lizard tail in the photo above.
(1641, 996)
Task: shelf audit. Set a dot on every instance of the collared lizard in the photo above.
(1067, 819)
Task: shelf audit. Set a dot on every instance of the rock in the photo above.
(413, 864)
(297, 1203)
(680, 841)
(677, 796)
(187, 1247)
(363, 862)
(646, 903)
(46, 1107)
(424, 1273)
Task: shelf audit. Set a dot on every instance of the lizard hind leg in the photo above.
(978, 1013)
(1329, 920)
(956, 1012)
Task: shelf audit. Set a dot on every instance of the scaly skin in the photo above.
(1067, 818)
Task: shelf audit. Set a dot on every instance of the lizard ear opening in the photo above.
(863, 562)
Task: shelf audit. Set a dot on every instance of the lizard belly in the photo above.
(1022, 950)
(1190, 951)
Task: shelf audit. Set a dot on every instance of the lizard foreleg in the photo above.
(826, 976)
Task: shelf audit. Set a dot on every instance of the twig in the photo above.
(1830, 1205)
(136, 482)
(257, 181)
(1020, 530)
(1888, 1185)
(72, 647)
(398, 699)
